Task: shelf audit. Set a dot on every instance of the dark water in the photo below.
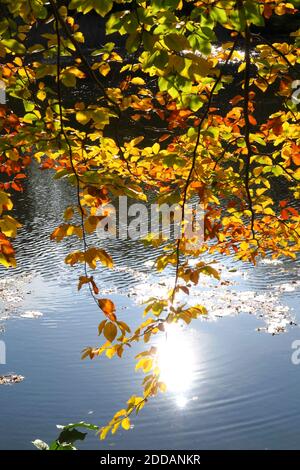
(230, 386)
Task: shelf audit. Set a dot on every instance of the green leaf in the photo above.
(102, 7)
(253, 13)
(132, 42)
(218, 14)
(176, 42)
(81, 424)
(70, 435)
(14, 46)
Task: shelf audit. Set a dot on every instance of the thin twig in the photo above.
(64, 134)
(192, 168)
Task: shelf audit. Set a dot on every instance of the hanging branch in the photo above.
(248, 127)
(275, 49)
(192, 168)
(92, 75)
(90, 71)
(70, 151)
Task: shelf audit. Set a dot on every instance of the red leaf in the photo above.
(285, 214)
(283, 203)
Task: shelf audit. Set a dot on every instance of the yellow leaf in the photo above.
(115, 427)
(260, 191)
(105, 258)
(92, 255)
(83, 117)
(137, 81)
(242, 67)
(73, 258)
(104, 432)
(12, 155)
(7, 262)
(145, 363)
(9, 226)
(104, 69)
(111, 352)
(156, 148)
(126, 424)
(41, 94)
(5, 202)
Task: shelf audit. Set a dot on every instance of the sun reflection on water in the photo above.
(176, 362)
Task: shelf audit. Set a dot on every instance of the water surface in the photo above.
(229, 386)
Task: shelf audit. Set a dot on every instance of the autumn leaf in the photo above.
(155, 114)
(126, 424)
(110, 331)
(108, 307)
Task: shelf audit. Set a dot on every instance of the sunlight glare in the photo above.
(176, 362)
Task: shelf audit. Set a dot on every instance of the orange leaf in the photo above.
(252, 120)
(108, 308)
(296, 158)
(94, 286)
(236, 100)
(164, 137)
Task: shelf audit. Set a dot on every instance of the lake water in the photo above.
(229, 385)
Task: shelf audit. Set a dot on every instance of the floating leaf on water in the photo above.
(31, 314)
(11, 379)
